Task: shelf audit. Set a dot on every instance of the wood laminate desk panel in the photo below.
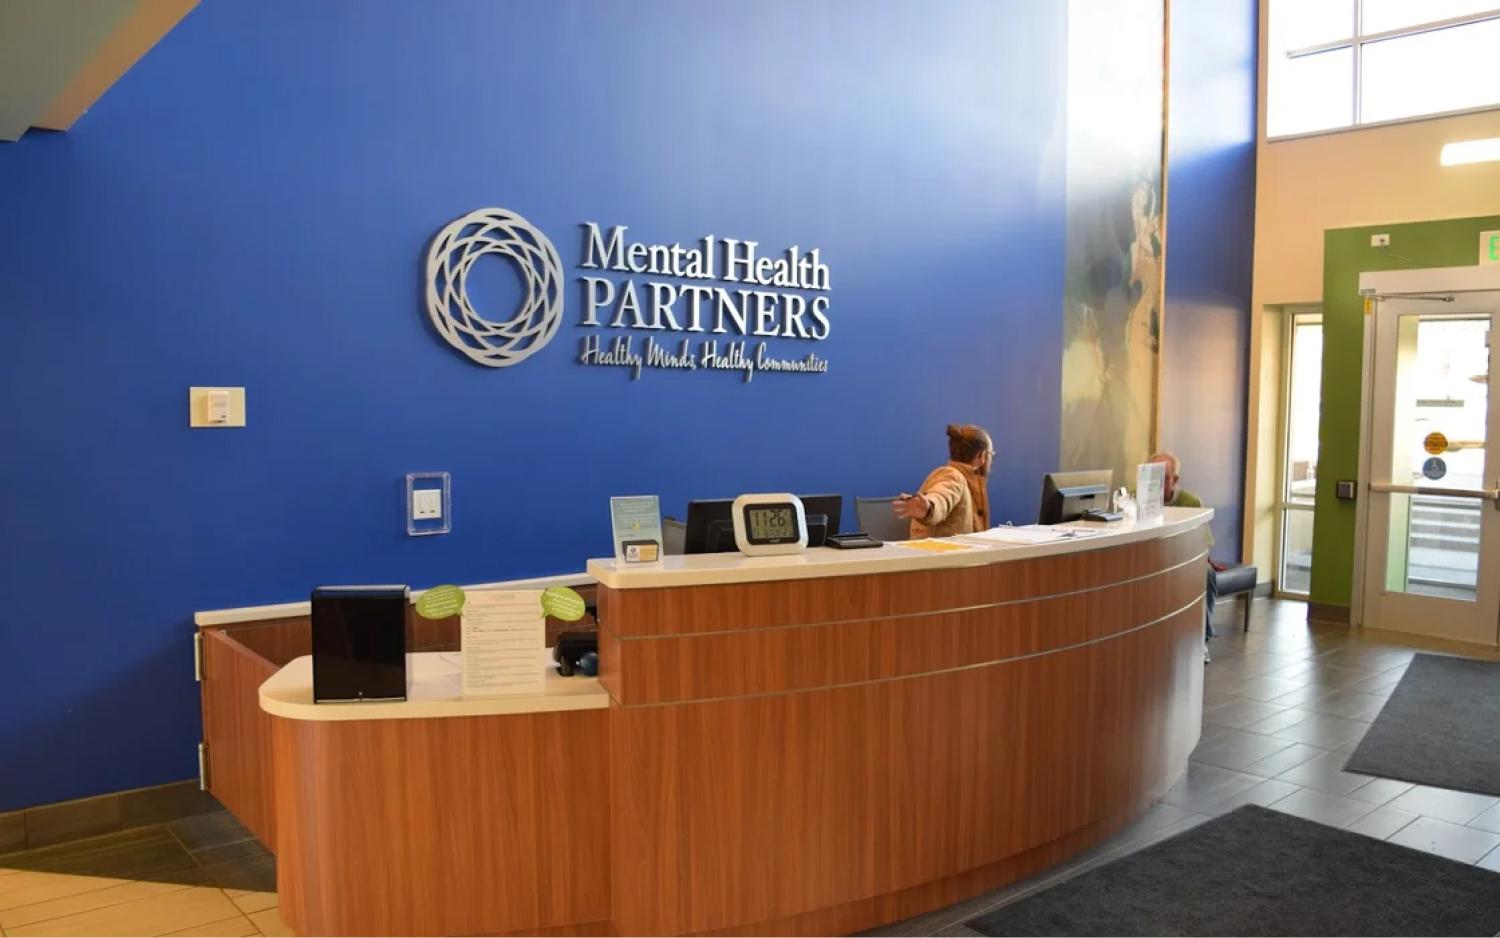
(449, 826)
(828, 754)
(799, 755)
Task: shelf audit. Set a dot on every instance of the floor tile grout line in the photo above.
(215, 883)
(198, 864)
(1230, 696)
(65, 845)
(192, 929)
(1403, 826)
(114, 885)
(180, 888)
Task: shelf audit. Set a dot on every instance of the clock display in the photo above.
(771, 524)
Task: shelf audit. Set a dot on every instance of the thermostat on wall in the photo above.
(769, 524)
(216, 407)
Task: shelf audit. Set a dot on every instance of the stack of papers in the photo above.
(1028, 534)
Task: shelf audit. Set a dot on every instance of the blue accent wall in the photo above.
(251, 206)
(1210, 243)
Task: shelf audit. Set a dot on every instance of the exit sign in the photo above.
(1489, 247)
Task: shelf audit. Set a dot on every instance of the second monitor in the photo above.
(710, 523)
(1067, 495)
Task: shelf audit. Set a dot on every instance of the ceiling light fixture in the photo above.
(1471, 151)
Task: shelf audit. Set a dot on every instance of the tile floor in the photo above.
(203, 875)
(1283, 706)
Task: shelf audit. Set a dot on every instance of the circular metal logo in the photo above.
(496, 343)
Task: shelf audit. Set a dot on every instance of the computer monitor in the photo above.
(710, 526)
(710, 523)
(1067, 495)
(823, 513)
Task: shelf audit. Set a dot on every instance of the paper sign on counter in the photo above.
(503, 637)
(1150, 492)
(928, 544)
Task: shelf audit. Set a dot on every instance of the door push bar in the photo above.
(1492, 495)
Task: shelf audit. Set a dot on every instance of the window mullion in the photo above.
(1359, 51)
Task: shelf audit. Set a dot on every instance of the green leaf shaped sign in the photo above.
(560, 602)
(440, 602)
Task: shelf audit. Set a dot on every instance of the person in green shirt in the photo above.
(1175, 496)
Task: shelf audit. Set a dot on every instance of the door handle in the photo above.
(1394, 489)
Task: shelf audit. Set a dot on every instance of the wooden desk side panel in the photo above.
(237, 733)
(759, 661)
(765, 809)
(689, 609)
(456, 826)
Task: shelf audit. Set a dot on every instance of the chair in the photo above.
(673, 535)
(1237, 579)
(878, 520)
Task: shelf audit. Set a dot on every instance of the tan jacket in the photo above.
(958, 500)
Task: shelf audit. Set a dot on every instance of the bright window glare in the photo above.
(1428, 73)
(1381, 15)
(1305, 23)
(1406, 75)
(1313, 92)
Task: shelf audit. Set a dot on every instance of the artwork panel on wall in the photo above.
(1115, 241)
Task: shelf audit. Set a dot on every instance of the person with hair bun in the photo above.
(955, 498)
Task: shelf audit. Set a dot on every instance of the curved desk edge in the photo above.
(818, 562)
(434, 690)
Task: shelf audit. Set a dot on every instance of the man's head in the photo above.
(1174, 469)
(970, 444)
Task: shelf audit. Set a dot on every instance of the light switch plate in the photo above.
(428, 503)
(200, 408)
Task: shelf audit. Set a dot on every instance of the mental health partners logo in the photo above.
(494, 343)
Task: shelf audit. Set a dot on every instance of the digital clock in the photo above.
(769, 524)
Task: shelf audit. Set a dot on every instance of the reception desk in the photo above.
(809, 744)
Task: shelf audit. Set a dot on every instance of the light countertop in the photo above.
(433, 689)
(815, 562)
(215, 618)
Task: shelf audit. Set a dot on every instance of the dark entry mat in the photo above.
(1441, 727)
(1260, 872)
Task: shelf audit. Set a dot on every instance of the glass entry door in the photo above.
(1301, 403)
(1432, 548)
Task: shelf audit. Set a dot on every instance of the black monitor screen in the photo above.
(710, 526)
(822, 516)
(359, 643)
(1067, 495)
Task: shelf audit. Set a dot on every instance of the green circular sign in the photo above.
(440, 602)
(563, 603)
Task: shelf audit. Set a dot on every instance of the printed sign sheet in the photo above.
(1150, 492)
(504, 633)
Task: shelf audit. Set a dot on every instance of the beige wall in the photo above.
(1337, 180)
(1360, 177)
